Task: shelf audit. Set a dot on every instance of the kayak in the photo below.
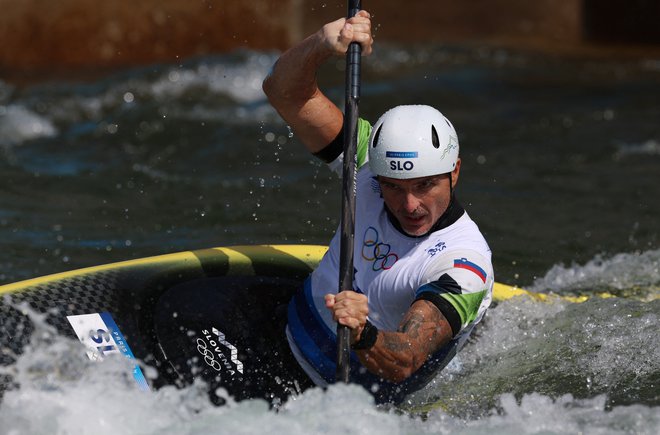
(216, 313)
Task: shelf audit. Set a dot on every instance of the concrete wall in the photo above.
(41, 38)
(556, 21)
(56, 36)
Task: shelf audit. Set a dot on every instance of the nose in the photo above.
(410, 202)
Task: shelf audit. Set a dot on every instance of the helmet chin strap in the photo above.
(451, 189)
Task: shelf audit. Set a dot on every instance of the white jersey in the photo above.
(451, 266)
(390, 267)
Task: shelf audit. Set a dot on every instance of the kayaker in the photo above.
(423, 272)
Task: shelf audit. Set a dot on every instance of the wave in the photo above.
(622, 274)
(19, 124)
(225, 88)
(648, 148)
(74, 395)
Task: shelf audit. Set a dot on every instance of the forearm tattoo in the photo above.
(423, 329)
(397, 354)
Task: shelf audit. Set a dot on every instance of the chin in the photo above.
(417, 231)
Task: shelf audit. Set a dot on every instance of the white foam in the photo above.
(619, 272)
(93, 408)
(61, 391)
(19, 124)
(239, 80)
(492, 387)
(648, 148)
(226, 89)
(536, 413)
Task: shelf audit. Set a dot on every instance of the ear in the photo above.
(455, 173)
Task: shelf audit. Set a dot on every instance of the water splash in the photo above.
(102, 400)
(536, 413)
(625, 274)
(532, 367)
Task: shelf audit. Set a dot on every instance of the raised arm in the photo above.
(292, 89)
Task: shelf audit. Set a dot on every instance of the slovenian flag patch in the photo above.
(463, 263)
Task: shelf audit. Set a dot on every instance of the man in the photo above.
(423, 273)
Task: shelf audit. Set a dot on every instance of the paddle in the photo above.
(348, 191)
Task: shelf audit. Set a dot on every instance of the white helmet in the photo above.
(412, 142)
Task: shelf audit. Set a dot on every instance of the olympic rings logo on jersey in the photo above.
(209, 357)
(379, 253)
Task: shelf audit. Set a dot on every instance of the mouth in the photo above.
(414, 220)
(414, 226)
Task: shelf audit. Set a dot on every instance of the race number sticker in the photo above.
(101, 336)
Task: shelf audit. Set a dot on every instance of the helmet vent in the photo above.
(377, 136)
(434, 137)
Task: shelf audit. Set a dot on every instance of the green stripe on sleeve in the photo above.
(364, 131)
(466, 304)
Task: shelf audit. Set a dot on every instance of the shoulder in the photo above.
(459, 283)
(471, 269)
(463, 234)
(460, 251)
(333, 153)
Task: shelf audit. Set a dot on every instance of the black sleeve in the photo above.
(333, 149)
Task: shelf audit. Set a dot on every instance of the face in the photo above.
(418, 203)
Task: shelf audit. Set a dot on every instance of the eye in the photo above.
(427, 185)
(388, 186)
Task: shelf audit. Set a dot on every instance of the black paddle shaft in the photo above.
(348, 191)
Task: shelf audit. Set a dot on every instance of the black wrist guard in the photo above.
(367, 337)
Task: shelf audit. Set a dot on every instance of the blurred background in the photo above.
(72, 37)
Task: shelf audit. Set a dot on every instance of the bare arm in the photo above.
(396, 355)
(292, 88)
